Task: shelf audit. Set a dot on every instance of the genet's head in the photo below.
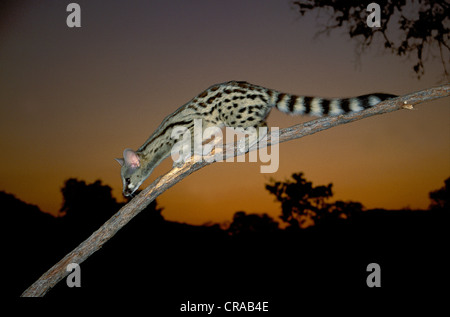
(130, 172)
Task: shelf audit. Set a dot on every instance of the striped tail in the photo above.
(316, 106)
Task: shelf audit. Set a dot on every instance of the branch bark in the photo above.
(160, 185)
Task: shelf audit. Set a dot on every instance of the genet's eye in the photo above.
(127, 180)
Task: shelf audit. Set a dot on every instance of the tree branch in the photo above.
(160, 185)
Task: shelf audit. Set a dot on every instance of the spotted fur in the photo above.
(233, 104)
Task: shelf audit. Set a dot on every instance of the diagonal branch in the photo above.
(160, 185)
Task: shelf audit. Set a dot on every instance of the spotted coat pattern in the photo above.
(233, 104)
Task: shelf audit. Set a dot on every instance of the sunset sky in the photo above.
(72, 99)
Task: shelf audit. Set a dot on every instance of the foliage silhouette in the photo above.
(83, 201)
(163, 262)
(244, 224)
(440, 199)
(304, 205)
(418, 28)
(38, 239)
(87, 206)
(27, 242)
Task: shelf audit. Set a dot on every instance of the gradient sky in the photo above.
(72, 99)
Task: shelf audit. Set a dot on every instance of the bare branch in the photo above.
(160, 185)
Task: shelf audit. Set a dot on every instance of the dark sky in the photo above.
(72, 99)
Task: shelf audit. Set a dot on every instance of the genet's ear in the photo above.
(131, 158)
(120, 161)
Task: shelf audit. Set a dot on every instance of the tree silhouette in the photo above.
(440, 199)
(244, 224)
(87, 201)
(342, 210)
(418, 28)
(303, 204)
(87, 206)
